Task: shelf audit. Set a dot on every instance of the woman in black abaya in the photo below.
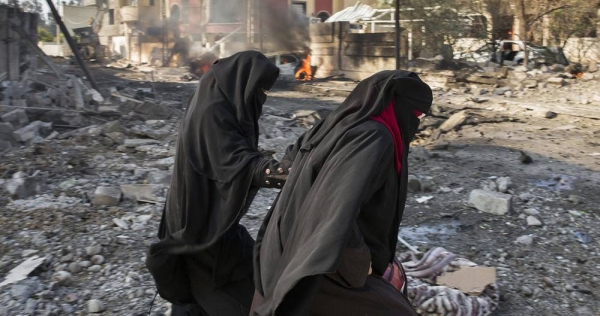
(204, 256)
(330, 237)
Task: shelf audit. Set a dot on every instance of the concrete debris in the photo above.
(454, 122)
(131, 143)
(159, 177)
(22, 185)
(142, 192)
(17, 118)
(6, 131)
(533, 221)
(95, 306)
(152, 111)
(504, 183)
(109, 196)
(556, 81)
(490, 202)
(27, 133)
(23, 270)
(526, 240)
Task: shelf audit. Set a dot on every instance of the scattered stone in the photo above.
(525, 158)
(85, 264)
(533, 221)
(95, 306)
(93, 250)
(94, 268)
(152, 111)
(544, 114)
(28, 252)
(139, 192)
(6, 131)
(587, 77)
(489, 185)
(548, 281)
(109, 196)
(62, 277)
(113, 127)
(74, 267)
(592, 66)
(22, 186)
(502, 90)
(504, 183)
(526, 240)
(556, 81)
(575, 199)
(159, 177)
(37, 128)
(490, 202)
(97, 259)
(526, 291)
(131, 143)
(530, 84)
(414, 184)
(121, 223)
(22, 291)
(454, 121)
(67, 258)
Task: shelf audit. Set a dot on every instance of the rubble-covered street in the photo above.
(505, 174)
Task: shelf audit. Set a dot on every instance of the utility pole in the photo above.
(397, 33)
(73, 46)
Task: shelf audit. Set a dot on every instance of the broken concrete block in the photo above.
(490, 202)
(21, 185)
(150, 110)
(17, 117)
(143, 192)
(6, 131)
(94, 96)
(533, 221)
(530, 84)
(30, 131)
(117, 137)
(109, 196)
(160, 177)
(556, 81)
(454, 121)
(114, 127)
(140, 142)
(504, 183)
(109, 110)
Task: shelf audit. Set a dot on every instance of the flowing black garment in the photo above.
(218, 170)
(342, 205)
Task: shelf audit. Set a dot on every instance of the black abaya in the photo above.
(341, 208)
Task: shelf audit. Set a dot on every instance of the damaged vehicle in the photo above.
(514, 51)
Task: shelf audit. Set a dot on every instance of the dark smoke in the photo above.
(285, 26)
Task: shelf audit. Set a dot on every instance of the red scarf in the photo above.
(388, 119)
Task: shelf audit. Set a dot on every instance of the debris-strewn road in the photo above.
(88, 200)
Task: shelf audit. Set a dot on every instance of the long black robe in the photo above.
(218, 170)
(341, 208)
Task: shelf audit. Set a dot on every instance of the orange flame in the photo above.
(579, 75)
(305, 72)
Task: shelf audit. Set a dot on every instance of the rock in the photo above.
(544, 114)
(525, 158)
(489, 185)
(4, 145)
(37, 128)
(93, 250)
(454, 121)
(575, 199)
(74, 267)
(109, 110)
(526, 291)
(121, 223)
(17, 118)
(109, 196)
(548, 281)
(22, 186)
(85, 264)
(533, 221)
(138, 192)
(159, 177)
(502, 90)
(28, 252)
(531, 212)
(94, 268)
(526, 240)
(152, 111)
(556, 81)
(62, 278)
(95, 306)
(414, 184)
(131, 143)
(584, 101)
(504, 183)
(66, 258)
(118, 138)
(490, 202)
(6, 131)
(113, 127)
(30, 306)
(587, 77)
(97, 259)
(584, 311)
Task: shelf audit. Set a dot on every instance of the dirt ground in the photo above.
(555, 273)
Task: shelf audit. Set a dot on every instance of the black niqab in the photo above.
(215, 166)
(344, 189)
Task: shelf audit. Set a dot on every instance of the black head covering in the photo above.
(223, 115)
(370, 97)
(337, 165)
